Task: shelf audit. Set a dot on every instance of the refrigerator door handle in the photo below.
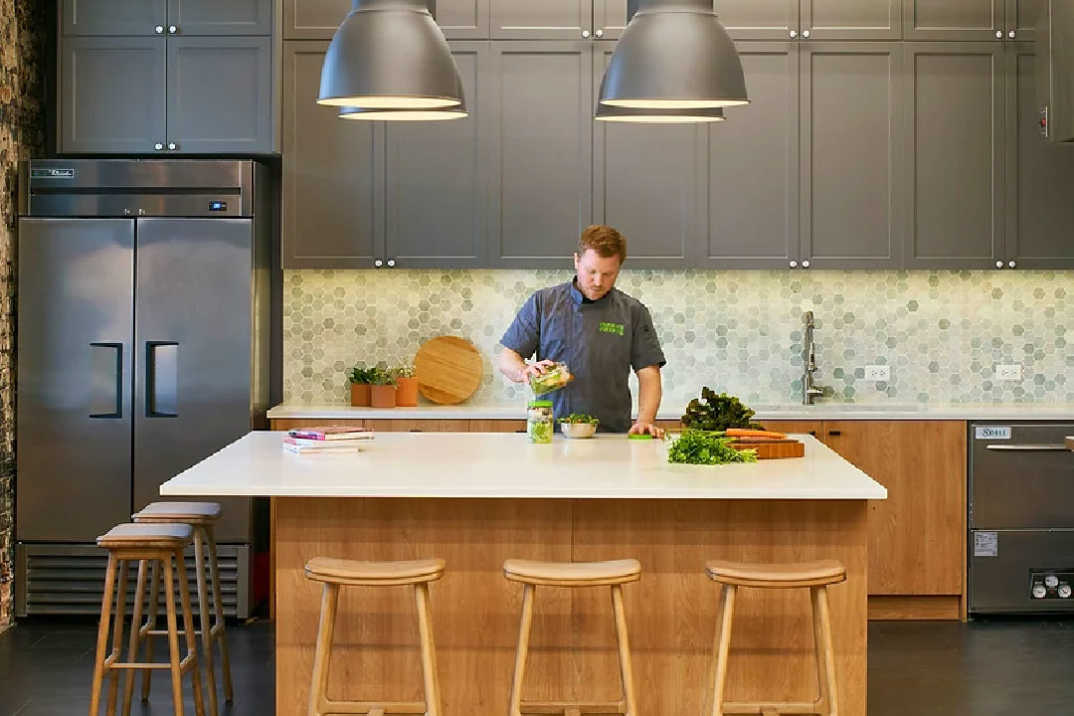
(1058, 447)
(106, 380)
(161, 379)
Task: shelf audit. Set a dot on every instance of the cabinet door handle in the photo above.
(585, 34)
(1012, 34)
(172, 146)
(159, 29)
(999, 34)
(793, 34)
(161, 379)
(391, 263)
(106, 364)
(599, 34)
(172, 29)
(378, 263)
(159, 146)
(806, 34)
(794, 264)
(999, 264)
(813, 433)
(1012, 264)
(834, 433)
(805, 264)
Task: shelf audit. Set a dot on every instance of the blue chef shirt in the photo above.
(600, 341)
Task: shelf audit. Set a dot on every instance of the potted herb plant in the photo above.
(360, 377)
(406, 387)
(382, 390)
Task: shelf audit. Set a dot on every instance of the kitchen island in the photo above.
(477, 499)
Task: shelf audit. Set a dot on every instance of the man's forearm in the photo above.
(650, 392)
(512, 365)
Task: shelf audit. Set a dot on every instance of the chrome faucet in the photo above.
(810, 391)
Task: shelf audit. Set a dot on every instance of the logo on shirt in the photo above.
(613, 328)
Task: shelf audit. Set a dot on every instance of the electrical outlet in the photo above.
(878, 373)
(1009, 371)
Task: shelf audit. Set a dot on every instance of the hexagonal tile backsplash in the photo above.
(941, 332)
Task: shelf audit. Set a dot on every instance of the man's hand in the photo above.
(532, 370)
(646, 428)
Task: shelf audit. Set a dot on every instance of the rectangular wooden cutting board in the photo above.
(771, 449)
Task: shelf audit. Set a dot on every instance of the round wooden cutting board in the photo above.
(448, 369)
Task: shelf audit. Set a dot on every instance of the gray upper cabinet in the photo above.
(759, 19)
(436, 178)
(851, 19)
(113, 17)
(644, 183)
(220, 94)
(953, 19)
(540, 152)
(609, 19)
(318, 19)
(954, 134)
(544, 20)
(849, 177)
(749, 184)
(331, 166)
(1040, 177)
(1021, 19)
(212, 17)
(99, 77)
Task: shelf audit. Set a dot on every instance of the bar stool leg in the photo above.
(135, 640)
(117, 638)
(329, 602)
(522, 650)
(722, 645)
(218, 620)
(188, 625)
(626, 668)
(428, 651)
(102, 635)
(151, 622)
(204, 614)
(822, 635)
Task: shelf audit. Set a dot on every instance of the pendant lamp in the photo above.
(673, 54)
(606, 113)
(404, 115)
(390, 54)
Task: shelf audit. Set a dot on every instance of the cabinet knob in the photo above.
(172, 29)
(1012, 34)
(585, 34)
(794, 34)
(599, 33)
(805, 34)
(159, 146)
(794, 264)
(172, 146)
(805, 264)
(378, 263)
(835, 433)
(1012, 264)
(999, 34)
(999, 264)
(391, 263)
(159, 29)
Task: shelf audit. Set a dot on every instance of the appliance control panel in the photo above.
(1051, 583)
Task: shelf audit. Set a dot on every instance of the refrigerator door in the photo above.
(1021, 571)
(76, 282)
(192, 341)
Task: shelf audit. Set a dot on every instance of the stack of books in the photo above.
(328, 439)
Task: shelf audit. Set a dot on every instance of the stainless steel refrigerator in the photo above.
(143, 347)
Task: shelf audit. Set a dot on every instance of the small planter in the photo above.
(382, 396)
(406, 393)
(360, 395)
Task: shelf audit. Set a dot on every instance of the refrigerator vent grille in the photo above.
(69, 579)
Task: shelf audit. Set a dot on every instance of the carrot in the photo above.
(744, 433)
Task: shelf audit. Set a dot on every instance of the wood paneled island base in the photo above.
(670, 612)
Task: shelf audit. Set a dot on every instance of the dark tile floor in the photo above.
(985, 668)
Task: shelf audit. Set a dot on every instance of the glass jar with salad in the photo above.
(540, 421)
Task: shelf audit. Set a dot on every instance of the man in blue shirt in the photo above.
(599, 332)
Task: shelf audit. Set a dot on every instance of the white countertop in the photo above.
(487, 465)
(822, 411)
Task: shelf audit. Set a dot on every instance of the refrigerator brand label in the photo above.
(49, 173)
(992, 432)
(985, 544)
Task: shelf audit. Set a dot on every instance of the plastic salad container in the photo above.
(551, 380)
(540, 421)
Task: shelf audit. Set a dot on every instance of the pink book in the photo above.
(331, 432)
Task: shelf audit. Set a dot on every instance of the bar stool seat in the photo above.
(777, 575)
(572, 574)
(373, 574)
(134, 536)
(188, 512)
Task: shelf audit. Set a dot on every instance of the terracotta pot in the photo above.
(360, 394)
(383, 396)
(406, 392)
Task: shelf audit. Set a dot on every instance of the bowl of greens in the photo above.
(578, 425)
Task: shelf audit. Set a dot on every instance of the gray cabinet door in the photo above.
(220, 94)
(332, 188)
(749, 184)
(113, 17)
(463, 19)
(112, 94)
(544, 20)
(318, 19)
(1022, 17)
(954, 133)
(1040, 177)
(952, 19)
(849, 111)
(644, 182)
(852, 19)
(609, 19)
(540, 152)
(436, 188)
(759, 19)
(221, 17)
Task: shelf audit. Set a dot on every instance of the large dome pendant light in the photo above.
(606, 113)
(390, 55)
(673, 55)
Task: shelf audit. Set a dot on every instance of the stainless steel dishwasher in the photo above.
(1021, 518)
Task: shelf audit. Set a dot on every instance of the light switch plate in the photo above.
(878, 373)
(1009, 371)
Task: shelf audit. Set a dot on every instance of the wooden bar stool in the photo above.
(336, 573)
(573, 574)
(817, 576)
(159, 545)
(201, 516)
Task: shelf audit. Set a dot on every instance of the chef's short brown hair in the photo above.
(605, 240)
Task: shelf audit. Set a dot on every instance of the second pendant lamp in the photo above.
(390, 55)
(675, 60)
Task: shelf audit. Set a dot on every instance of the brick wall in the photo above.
(22, 24)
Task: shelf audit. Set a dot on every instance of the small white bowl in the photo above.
(578, 430)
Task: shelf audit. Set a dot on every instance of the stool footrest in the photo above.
(792, 707)
(327, 706)
(562, 707)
